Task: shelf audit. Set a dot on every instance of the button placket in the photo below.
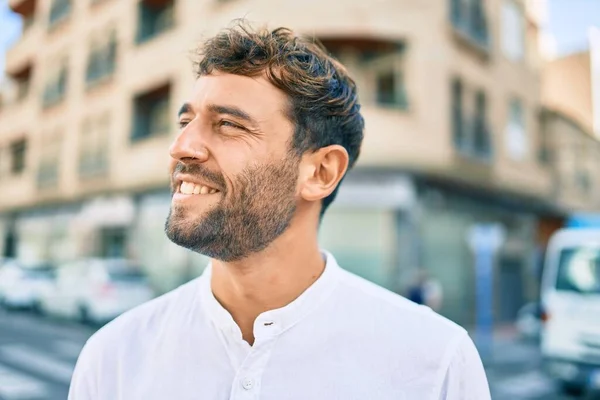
(248, 378)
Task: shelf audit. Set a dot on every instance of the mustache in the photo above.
(199, 170)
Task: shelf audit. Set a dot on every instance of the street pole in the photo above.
(485, 241)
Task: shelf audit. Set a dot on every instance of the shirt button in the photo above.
(248, 383)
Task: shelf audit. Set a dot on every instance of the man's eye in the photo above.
(183, 124)
(229, 124)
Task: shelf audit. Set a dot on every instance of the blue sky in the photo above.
(568, 23)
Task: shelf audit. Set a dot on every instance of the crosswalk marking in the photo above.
(15, 385)
(43, 327)
(33, 360)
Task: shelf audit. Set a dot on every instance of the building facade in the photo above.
(450, 92)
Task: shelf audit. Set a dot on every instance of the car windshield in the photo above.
(579, 270)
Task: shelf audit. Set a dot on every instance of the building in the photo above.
(450, 92)
(572, 87)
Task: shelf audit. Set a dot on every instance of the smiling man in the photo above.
(270, 129)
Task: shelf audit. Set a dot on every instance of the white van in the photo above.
(570, 341)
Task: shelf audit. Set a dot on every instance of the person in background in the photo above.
(425, 290)
(271, 127)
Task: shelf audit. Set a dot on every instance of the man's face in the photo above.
(233, 176)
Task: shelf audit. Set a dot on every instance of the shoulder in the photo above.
(398, 317)
(411, 339)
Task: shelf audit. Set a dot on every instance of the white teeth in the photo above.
(191, 188)
(187, 188)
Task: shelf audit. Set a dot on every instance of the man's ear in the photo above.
(321, 172)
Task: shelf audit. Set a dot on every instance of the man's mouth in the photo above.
(195, 188)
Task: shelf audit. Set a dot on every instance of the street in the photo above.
(37, 357)
(514, 373)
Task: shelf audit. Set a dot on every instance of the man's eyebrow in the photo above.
(233, 111)
(185, 108)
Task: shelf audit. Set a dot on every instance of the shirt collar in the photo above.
(276, 321)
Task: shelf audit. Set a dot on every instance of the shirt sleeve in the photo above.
(465, 378)
(83, 383)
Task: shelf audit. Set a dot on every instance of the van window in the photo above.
(579, 270)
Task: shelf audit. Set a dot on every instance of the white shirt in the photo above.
(343, 338)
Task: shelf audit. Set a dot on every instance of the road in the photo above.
(37, 357)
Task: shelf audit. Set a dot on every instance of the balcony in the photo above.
(21, 55)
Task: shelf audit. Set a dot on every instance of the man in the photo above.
(265, 139)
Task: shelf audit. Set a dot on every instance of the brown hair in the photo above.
(323, 99)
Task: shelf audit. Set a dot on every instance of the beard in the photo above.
(246, 222)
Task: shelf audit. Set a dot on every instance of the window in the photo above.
(59, 10)
(390, 89)
(516, 135)
(513, 31)
(579, 270)
(154, 17)
(151, 113)
(102, 58)
(93, 151)
(545, 156)
(18, 151)
(56, 84)
(470, 132)
(48, 168)
(458, 126)
(468, 17)
(481, 133)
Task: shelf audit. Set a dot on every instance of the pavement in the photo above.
(38, 355)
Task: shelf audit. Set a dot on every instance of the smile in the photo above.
(191, 188)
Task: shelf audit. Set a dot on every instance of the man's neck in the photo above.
(267, 280)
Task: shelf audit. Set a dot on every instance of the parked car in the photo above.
(21, 284)
(96, 290)
(529, 321)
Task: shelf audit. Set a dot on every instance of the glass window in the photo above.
(18, 152)
(513, 31)
(516, 135)
(154, 17)
(151, 113)
(59, 10)
(579, 270)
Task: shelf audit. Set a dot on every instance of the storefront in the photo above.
(445, 218)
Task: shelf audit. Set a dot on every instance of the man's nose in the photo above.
(189, 145)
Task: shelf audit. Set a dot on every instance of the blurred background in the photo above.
(482, 141)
